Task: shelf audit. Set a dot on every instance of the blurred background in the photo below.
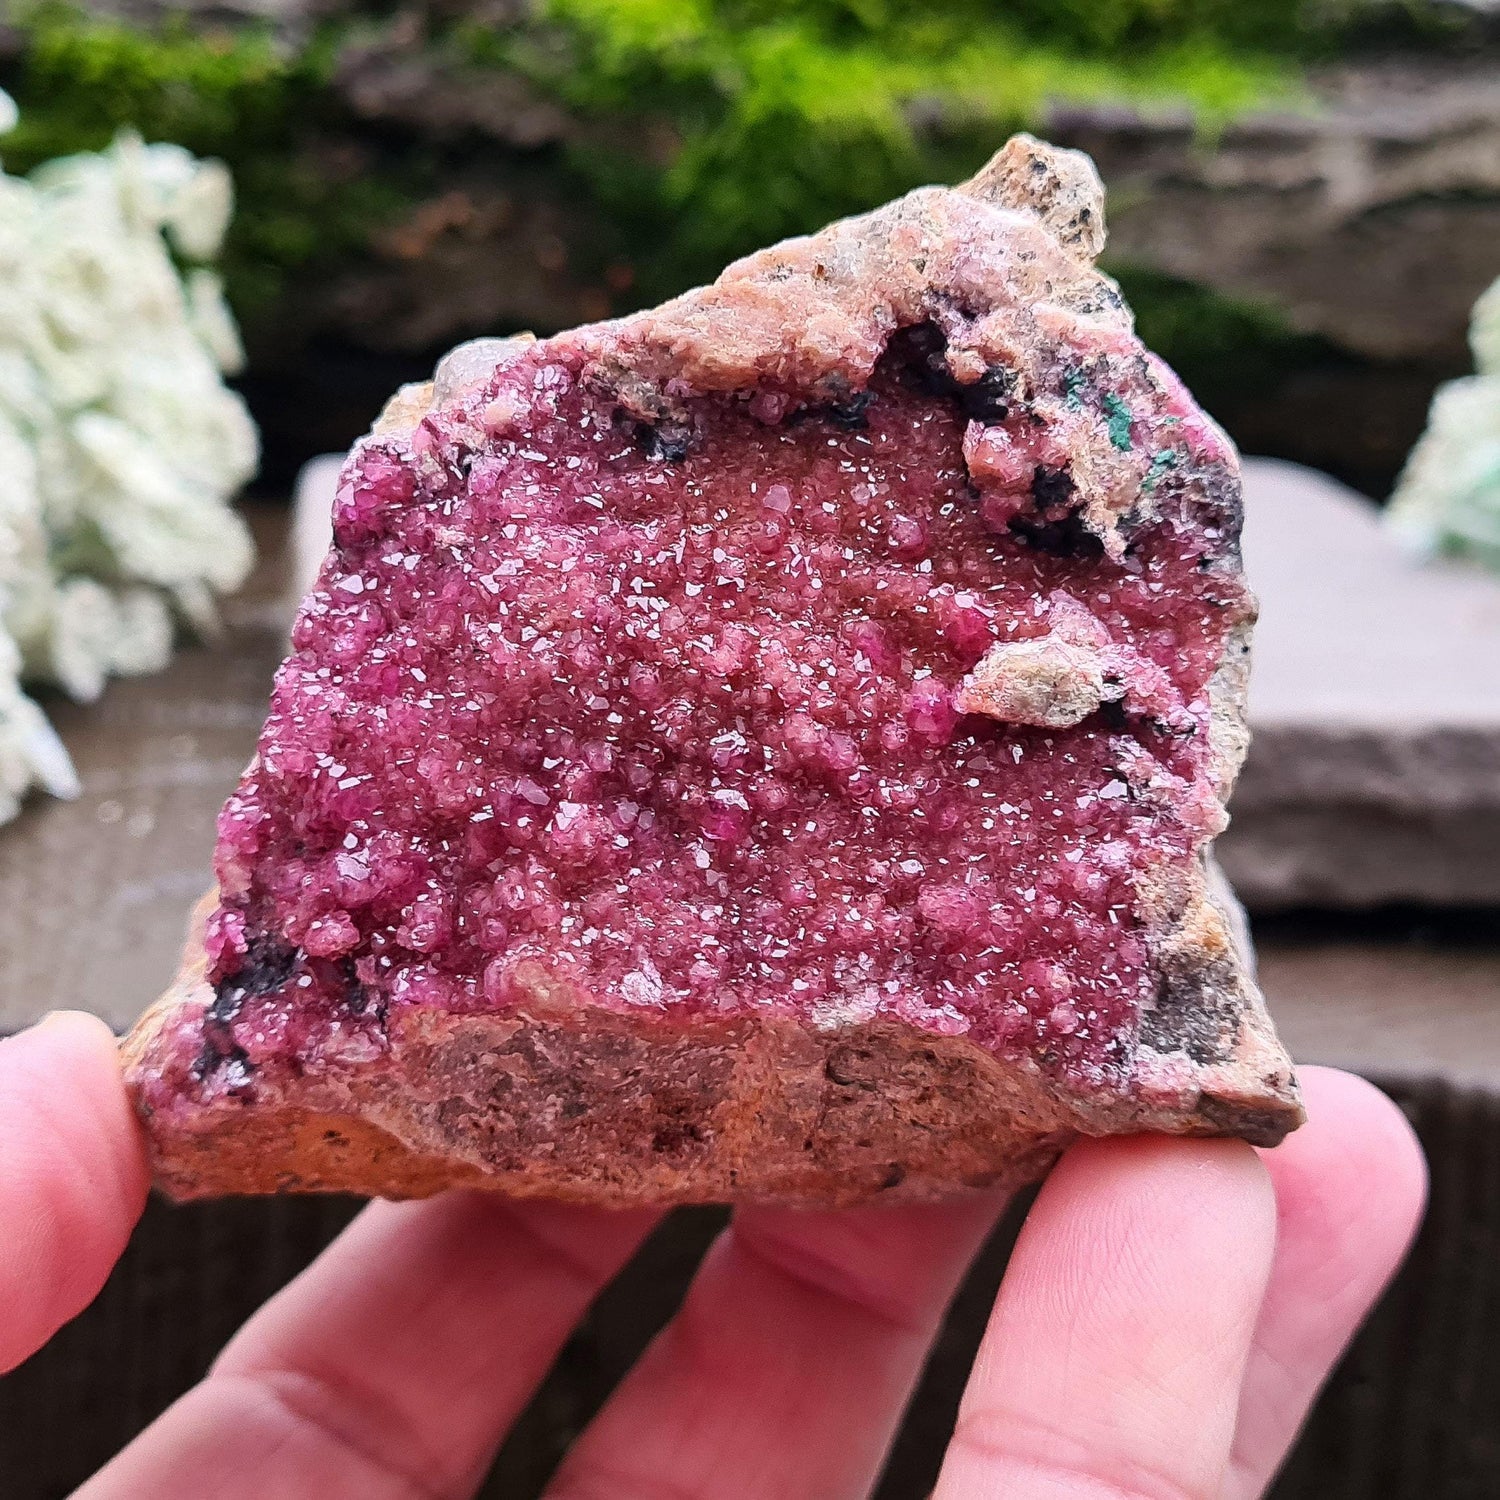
(1304, 194)
(1304, 211)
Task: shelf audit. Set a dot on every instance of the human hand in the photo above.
(1169, 1313)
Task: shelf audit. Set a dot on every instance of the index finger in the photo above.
(73, 1176)
(786, 1369)
(1113, 1360)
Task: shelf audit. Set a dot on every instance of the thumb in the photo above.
(73, 1176)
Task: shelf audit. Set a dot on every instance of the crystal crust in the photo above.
(686, 729)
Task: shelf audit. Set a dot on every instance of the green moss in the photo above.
(704, 127)
(776, 119)
(220, 91)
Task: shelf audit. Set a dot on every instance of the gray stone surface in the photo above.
(94, 893)
(1374, 775)
(1429, 1009)
(1368, 215)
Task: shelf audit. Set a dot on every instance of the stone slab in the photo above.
(1365, 210)
(1425, 1008)
(1374, 776)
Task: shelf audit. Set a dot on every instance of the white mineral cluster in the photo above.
(1448, 496)
(120, 445)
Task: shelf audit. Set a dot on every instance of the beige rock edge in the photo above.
(566, 1100)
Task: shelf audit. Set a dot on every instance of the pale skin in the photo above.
(1170, 1312)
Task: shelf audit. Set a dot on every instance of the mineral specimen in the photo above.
(761, 749)
(1448, 496)
(120, 445)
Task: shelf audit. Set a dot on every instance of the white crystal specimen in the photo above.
(120, 445)
(1448, 496)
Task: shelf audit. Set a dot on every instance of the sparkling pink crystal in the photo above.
(682, 733)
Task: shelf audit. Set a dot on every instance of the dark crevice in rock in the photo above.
(1069, 537)
(268, 964)
(1052, 489)
(848, 413)
(988, 398)
(1058, 527)
(356, 996)
(850, 1067)
(229, 1062)
(668, 440)
(921, 353)
(672, 1137)
(1113, 715)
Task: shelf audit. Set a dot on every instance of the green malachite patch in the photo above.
(1119, 421)
(1161, 463)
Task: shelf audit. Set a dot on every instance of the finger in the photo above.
(1350, 1186)
(390, 1369)
(1112, 1363)
(789, 1364)
(72, 1176)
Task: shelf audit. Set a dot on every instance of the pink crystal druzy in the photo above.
(671, 715)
